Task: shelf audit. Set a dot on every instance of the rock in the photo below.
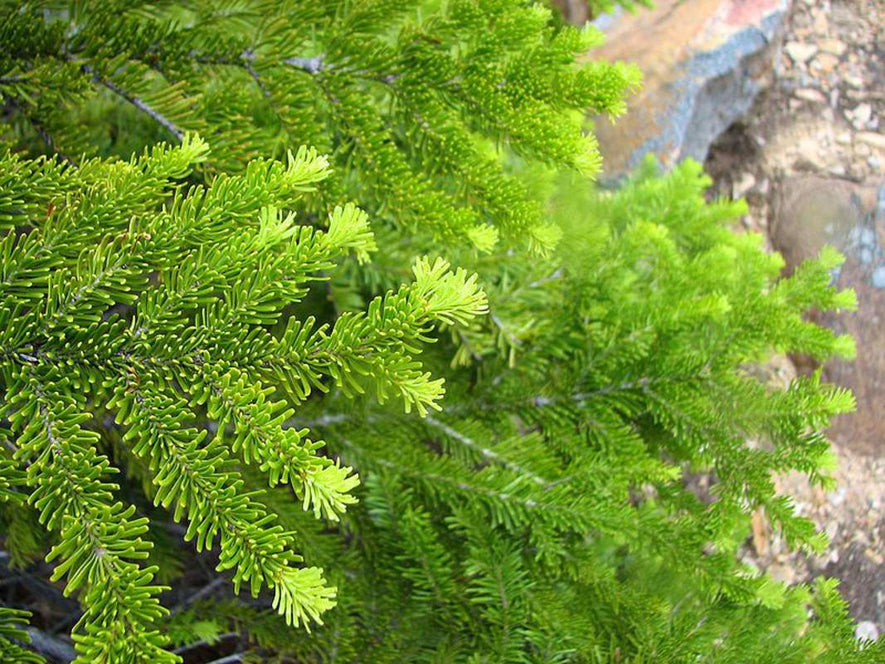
(703, 64)
(809, 156)
(812, 95)
(800, 52)
(871, 138)
(853, 80)
(810, 212)
(866, 631)
(825, 63)
(821, 24)
(742, 186)
(832, 46)
(784, 573)
(861, 115)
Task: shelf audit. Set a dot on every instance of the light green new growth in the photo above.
(217, 345)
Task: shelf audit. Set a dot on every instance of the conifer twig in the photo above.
(145, 108)
(206, 590)
(248, 57)
(51, 646)
(138, 102)
(486, 453)
(50, 142)
(312, 65)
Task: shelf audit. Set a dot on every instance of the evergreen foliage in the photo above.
(408, 102)
(155, 302)
(191, 304)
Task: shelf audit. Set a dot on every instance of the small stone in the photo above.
(838, 170)
(853, 80)
(825, 63)
(838, 496)
(871, 138)
(874, 555)
(856, 96)
(874, 163)
(800, 52)
(832, 46)
(783, 573)
(878, 278)
(866, 631)
(834, 98)
(809, 154)
(741, 187)
(843, 138)
(811, 95)
(861, 115)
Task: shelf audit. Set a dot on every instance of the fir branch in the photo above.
(486, 453)
(313, 65)
(248, 57)
(136, 101)
(51, 646)
(50, 142)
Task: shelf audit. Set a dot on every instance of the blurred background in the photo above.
(784, 103)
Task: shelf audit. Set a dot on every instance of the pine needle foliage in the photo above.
(205, 340)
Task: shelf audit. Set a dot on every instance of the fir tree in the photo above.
(200, 315)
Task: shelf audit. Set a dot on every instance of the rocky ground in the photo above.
(809, 158)
(824, 114)
(785, 102)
